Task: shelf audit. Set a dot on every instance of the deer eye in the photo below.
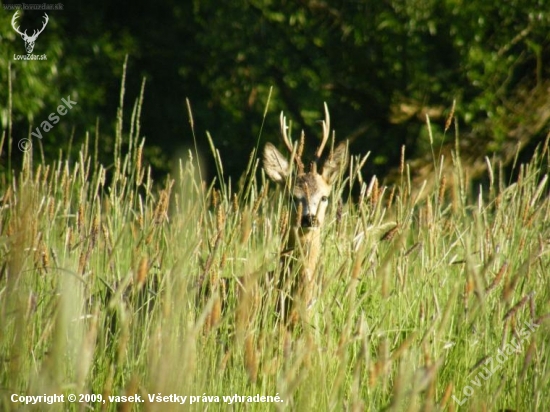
(324, 199)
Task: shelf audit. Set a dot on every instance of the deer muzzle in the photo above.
(309, 221)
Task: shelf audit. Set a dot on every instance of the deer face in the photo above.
(310, 196)
(29, 43)
(310, 191)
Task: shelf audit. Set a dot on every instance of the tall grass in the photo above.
(113, 284)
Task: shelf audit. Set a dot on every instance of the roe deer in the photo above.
(310, 192)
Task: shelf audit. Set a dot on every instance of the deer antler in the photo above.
(47, 19)
(284, 134)
(295, 155)
(35, 33)
(326, 134)
(13, 24)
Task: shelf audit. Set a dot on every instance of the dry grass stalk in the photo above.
(500, 274)
(516, 307)
(251, 358)
(141, 273)
(449, 119)
(390, 234)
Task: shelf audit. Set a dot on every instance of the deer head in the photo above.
(29, 40)
(310, 191)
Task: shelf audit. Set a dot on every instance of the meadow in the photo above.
(112, 285)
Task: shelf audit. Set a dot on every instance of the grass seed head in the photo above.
(390, 234)
(141, 273)
(441, 191)
(450, 117)
(235, 203)
(251, 358)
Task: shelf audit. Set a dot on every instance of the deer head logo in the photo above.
(29, 40)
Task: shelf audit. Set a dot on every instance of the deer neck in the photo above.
(306, 248)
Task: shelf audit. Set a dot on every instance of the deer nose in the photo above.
(309, 220)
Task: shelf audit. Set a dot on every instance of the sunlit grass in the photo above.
(115, 285)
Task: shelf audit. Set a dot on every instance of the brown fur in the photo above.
(310, 192)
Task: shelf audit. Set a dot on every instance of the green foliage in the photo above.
(74, 67)
(381, 66)
(117, 286)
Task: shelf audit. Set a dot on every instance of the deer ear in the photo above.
(335, 163)
(275, 164)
